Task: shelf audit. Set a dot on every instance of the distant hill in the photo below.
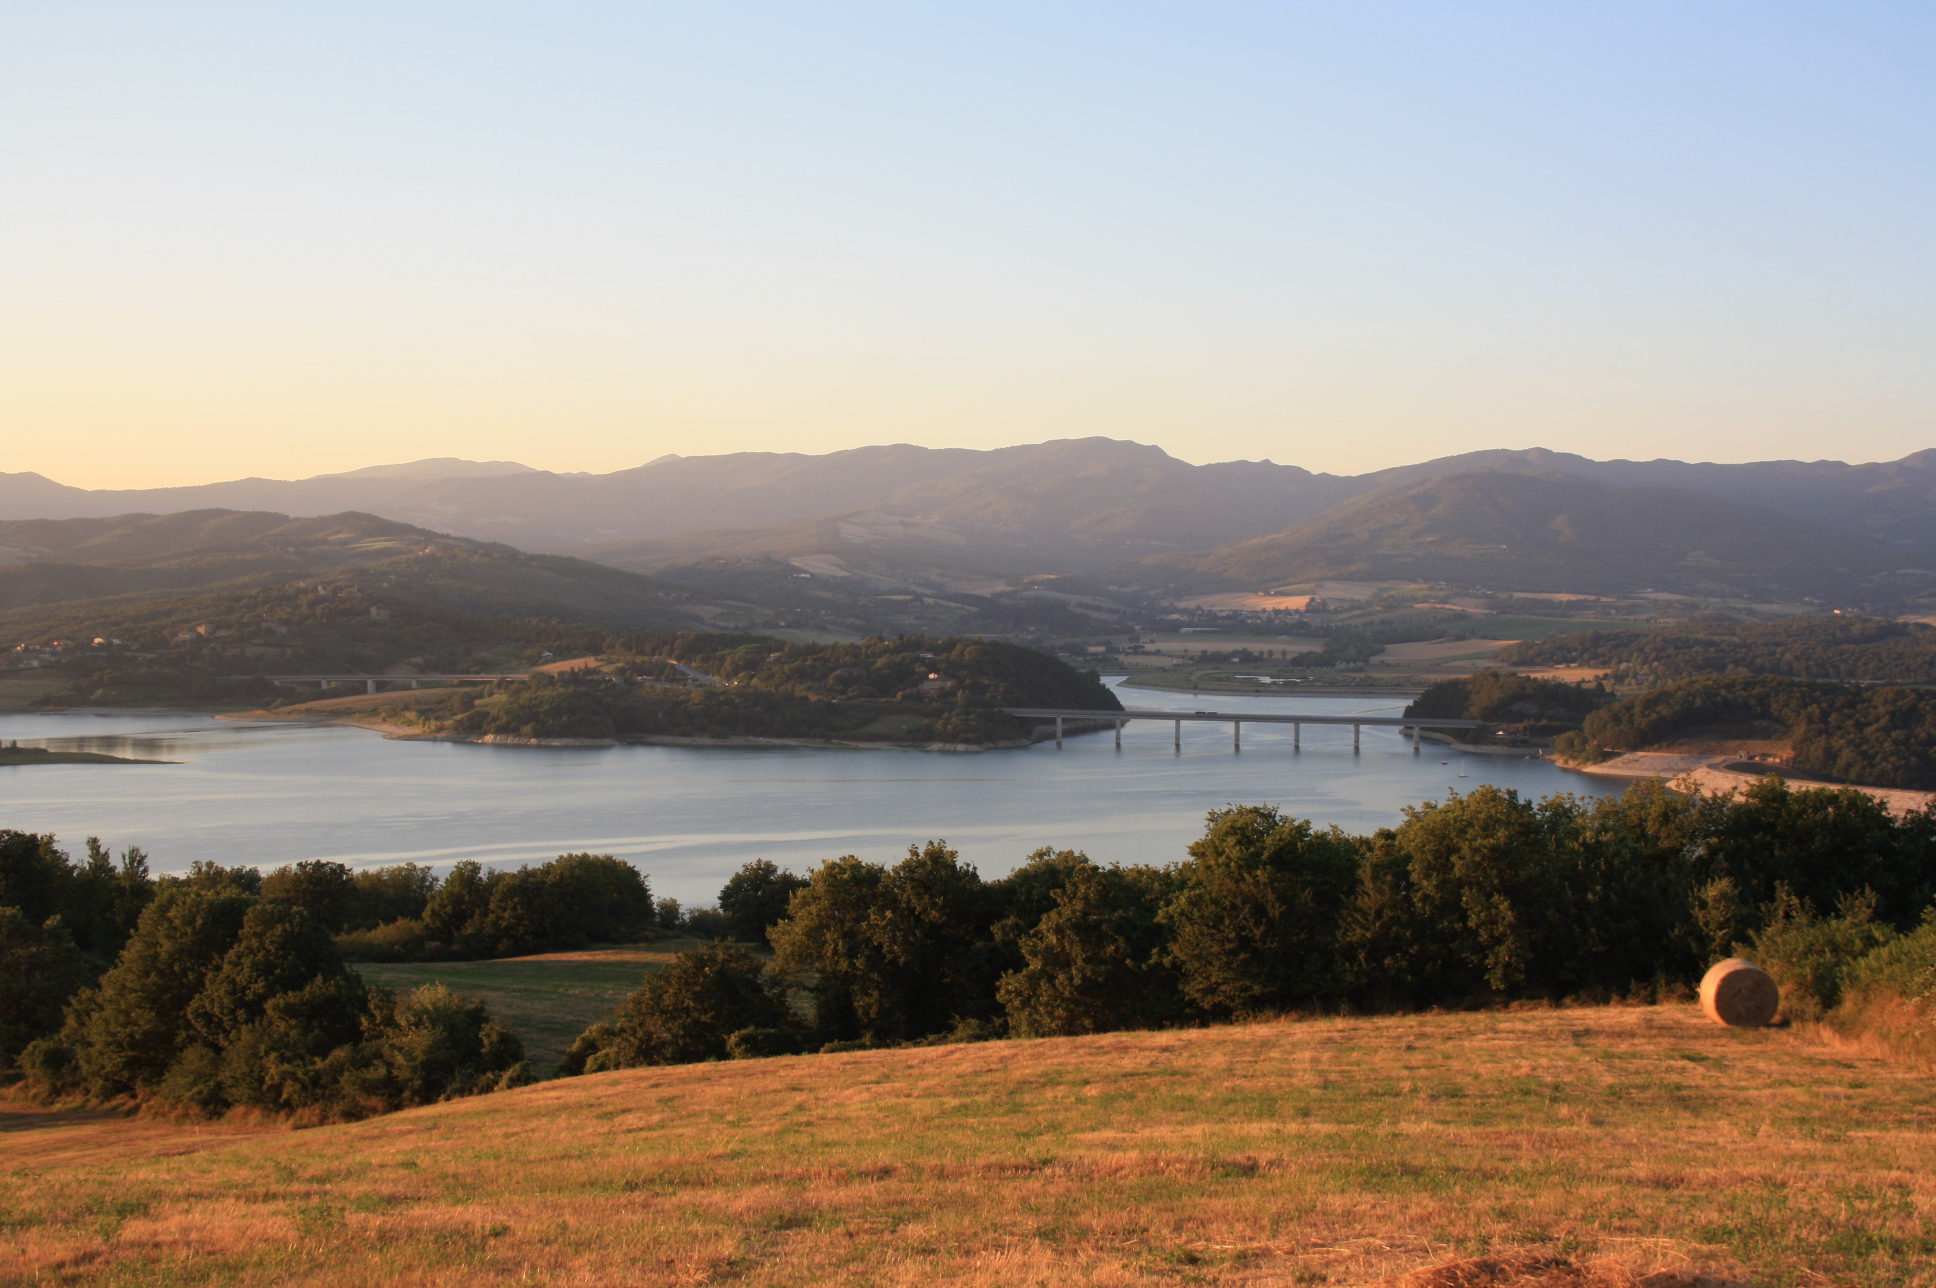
(1513, 531)
(374, 488)
(130, 559)
(1096, 494)
(1073, 501)
(1889, 501)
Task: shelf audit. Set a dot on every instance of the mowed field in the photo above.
(547, 999)
(1321, 1151)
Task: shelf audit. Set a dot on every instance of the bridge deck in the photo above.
(1243, 717)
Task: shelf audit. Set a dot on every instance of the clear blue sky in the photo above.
(279, 239)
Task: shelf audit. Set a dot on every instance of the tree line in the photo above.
(1529, 705)
(1842, 647)
(1882, 737)
(1477, 899)
(226, 988)
(202, 992)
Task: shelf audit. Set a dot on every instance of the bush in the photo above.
(686, 1013)
(1808, 955)
(1889, 995)
(398, 941)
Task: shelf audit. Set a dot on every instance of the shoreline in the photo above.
(405, 733)
(1691, 774)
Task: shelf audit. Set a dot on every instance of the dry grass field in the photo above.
(1338, 1151)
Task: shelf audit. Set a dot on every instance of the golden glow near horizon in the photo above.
(1347, 239)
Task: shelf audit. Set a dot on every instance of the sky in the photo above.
(280, 240)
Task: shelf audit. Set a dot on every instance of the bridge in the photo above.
(371, 681)
(1237, 721)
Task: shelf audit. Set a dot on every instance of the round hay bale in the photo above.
(1739, 994)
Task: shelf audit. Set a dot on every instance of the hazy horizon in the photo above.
(287, 243)
(377, 468)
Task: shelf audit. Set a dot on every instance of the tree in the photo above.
(755, 898)
(40, 969)
(324, 889)
(1483, 872)
(280, 949)
(684, 1014)
(1254, 919)
(1097, 960)
(133, 1027)
(434, 1045)
(892, 954)
(394, 892)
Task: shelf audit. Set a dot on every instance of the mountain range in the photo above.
(922, 519)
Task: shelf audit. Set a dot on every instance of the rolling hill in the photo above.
(1513, 531)
(1089, 492)
(135, 558)
(1333, 1151)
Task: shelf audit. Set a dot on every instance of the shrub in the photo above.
(686, 1013)
(1808, 954)
(396, 941)
(434, 1045)
(1889, 995)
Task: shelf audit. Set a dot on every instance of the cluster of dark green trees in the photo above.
(1479, 898)
(866, 691)
(404, 912)
(1881, 737)
(1523, 704)
(212, 991)
(1842, 646)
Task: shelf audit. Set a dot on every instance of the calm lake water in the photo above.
(274, 792)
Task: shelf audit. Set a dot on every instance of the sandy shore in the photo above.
(1716, 774)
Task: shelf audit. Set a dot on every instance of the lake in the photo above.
(274, 792)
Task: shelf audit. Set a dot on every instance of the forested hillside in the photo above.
(1879, 737)
(1841, 646)
(906, 689)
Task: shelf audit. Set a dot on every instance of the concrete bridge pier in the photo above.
(1415, 740)
(1354, 738)
(1236, 735)
(370, 686)
(1058, 733)
(1297, 733)
(1119, 735)
(1179, 737)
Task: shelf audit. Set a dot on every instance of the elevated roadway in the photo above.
(1237, 720)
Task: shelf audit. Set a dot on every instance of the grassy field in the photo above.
(1296, 1153)
(546, 1000)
